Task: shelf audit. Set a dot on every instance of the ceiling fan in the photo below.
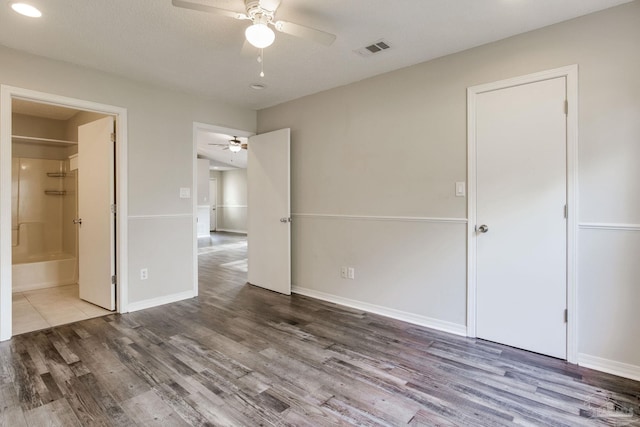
(262, 13)
(234, 145)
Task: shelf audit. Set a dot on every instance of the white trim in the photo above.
(160, 216)
(609, 366)
(228, 230)
(608, 226)
(570, 73)
(232, 206)
(5, 214)
(6, 95)
(154, 302)
(440, 325)
(381, 218)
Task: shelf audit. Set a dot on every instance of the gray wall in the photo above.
(232, 201)
(160, 158)
(394, 145)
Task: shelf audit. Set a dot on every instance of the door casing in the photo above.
(7, 93)
(571, 74)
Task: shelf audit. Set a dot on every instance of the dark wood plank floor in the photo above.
(242, 356)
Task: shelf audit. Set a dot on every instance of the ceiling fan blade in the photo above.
(303, 32)
(270, 5)
(208, 9)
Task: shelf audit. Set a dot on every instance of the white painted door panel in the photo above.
(96, 260)
(213, 203)
(268, 188)
(521, 195)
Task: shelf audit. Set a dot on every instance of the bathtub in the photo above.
(42, 271)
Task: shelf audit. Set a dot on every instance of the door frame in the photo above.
(197, 127)
(7, 93)
(570, 73)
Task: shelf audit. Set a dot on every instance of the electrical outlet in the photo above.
(343, 272)
(144, 274)
(351, 273)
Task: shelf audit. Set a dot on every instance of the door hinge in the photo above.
(114, 279)
(113, 208)
(113, 137)
(566, 315)
(566, 211)
(566, 106)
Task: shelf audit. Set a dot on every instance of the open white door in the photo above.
(269, 216)
(96, 255)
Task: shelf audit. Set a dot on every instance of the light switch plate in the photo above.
(185, 192)
(460, 189)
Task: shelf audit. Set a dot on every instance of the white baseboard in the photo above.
(154, 302)
(416, 319)
(227, 230)
(609, 366)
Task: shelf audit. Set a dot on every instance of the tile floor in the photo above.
(43, 308)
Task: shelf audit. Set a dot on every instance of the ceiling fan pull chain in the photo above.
(261, 60)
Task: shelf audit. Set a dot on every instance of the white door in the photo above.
(213, 201)
(96, 240)
(269, 213)
(522, 232)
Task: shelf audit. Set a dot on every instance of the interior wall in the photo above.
(160, 162)
(374, 165)
(38, 127)
(232, 209)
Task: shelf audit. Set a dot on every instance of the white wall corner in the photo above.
(155, 302)
(609, 366)
(440, 325)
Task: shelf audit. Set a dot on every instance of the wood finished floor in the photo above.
(242, 356)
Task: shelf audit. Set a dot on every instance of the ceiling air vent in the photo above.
(376, 47)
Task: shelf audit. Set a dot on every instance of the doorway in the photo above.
(51, 161)
(522, 212)
(221, 204)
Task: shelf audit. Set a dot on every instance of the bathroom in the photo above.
(44, 216)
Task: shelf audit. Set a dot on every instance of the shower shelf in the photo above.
(54, 192)
(56, 174)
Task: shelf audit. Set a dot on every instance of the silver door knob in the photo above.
(78, 221)
(483, 228)
(285, 219)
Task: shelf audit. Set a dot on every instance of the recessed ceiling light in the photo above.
(26, 10)
(257, 86)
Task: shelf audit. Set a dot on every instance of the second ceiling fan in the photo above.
(234, 145)
(262, 13)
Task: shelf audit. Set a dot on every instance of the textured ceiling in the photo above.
(150, 40)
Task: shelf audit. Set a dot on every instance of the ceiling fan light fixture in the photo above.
(260, 35)
(235, 148)
(26, 10)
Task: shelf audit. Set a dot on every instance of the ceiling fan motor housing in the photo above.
(257, 12)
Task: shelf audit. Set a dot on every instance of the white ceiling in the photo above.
(152, 41)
